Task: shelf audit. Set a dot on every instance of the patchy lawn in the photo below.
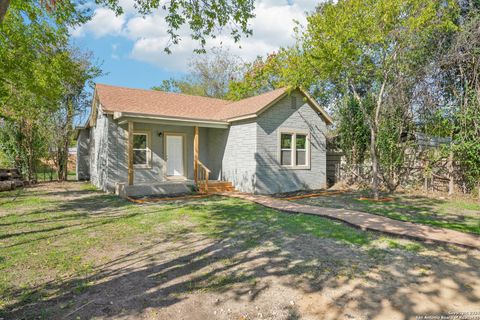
(68, 251)
(457, 214)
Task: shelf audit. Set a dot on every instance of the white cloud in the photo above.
(103, 23)
(272, 28)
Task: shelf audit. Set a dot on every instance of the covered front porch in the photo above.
(171, 156)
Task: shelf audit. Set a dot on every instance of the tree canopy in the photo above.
(209, 75)
(387, 70)
(204, 19)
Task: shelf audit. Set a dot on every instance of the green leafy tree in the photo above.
(261, 75)
(352, 131)
(39, 76)
(77, 71)
(209, 75)
(461, 84)
(287, 67)
(205, 19)
(363, 48)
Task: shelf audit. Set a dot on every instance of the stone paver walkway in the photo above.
(367, 221)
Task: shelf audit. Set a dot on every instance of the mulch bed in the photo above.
(306, 194)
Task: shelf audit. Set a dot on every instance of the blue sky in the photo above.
(130, 47)
(112, 53)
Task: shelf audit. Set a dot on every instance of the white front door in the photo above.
(175, 156)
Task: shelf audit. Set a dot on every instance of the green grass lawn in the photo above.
(457, 214)
(49, 233)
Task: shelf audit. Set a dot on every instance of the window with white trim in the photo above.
(286, 149)
(141, 149)
(294, 149)
(301, 149)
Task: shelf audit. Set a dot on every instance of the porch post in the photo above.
(130, 153)
(195, 154)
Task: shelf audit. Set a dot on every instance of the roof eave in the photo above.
(140, 117)
(243, 117)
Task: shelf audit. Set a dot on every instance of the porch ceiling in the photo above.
(125, 117)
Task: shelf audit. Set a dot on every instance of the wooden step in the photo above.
(216, 186)
(220, 184)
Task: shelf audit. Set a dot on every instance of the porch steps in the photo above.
(216, 186)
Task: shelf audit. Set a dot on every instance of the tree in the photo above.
(39, 76)
(286, 67)
(365, 48)
(352, 131)
(209, 75)
(261, 75)
(460, 67)
(204, 18)
(77, 71)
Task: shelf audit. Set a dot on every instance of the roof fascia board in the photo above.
(125, 117)
(248, 116)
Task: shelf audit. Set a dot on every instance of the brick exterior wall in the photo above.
(271, 176)
(247, 153)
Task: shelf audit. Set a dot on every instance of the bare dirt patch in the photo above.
(222, 259)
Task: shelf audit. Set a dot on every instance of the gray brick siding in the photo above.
(238, 164)
(271, 177)
(246, 153)
(83, 155)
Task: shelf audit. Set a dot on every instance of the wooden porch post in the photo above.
(130, 153)
(195, 154)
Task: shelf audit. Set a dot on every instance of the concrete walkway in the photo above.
(367, 221)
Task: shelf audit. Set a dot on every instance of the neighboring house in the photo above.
(144, 142)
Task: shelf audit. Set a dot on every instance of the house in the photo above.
(145, 142)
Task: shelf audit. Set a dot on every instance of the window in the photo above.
(286, 149)
(301, 150)
(294, 150)
(141, 150)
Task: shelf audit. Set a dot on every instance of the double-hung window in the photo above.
(141, 149)
(294, 149)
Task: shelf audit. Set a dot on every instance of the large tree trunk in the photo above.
(4, 4)
(374, 159)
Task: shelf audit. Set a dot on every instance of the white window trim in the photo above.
(148, 165)
(293, 160)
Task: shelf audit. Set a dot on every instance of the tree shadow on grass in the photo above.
(404, 207)
(65, 217)
(236, 248)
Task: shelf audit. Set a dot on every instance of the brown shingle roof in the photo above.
(177, 105)
(157, 103)
(251, 105)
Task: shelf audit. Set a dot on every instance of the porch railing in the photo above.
(201, 179)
